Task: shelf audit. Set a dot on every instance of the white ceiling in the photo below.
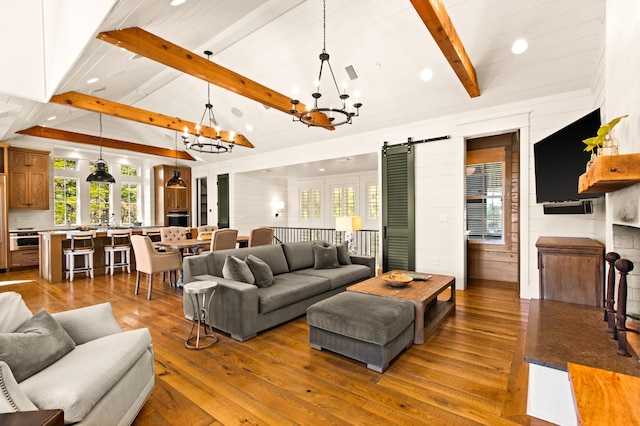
(277, 42)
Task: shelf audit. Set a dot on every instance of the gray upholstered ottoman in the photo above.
(368, 328)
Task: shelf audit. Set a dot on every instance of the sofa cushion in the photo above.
(13, 311)
(12, 398)
(260, 270)
(272, 254)
(288, 289)
(237, 270)
(345, 274)
(344, 258)
(88, 323)
(300, 255)
(35, 345)
(80, 379)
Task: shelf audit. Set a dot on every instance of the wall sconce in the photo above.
(278, 206)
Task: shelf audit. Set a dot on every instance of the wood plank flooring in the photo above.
(469, 372)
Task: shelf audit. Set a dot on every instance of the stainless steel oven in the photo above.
(177, 218)
(20, 239)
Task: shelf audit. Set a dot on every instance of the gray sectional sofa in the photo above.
(243, 309)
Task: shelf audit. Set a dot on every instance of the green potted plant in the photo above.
(602, 141)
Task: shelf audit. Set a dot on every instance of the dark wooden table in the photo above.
(430, 311)
(33, 418)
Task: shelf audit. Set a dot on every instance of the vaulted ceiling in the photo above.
(277, 42)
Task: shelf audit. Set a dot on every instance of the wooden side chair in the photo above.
(81, 245)
(119, 243)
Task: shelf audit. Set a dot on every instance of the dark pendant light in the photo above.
(176, 181)
(101, 175)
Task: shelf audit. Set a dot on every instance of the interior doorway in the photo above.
(493, 208)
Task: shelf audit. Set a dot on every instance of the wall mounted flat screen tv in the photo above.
(560, 159)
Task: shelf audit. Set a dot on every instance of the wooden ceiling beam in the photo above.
(64, 135)
(104, 106)
(436, 18)
(144, 43)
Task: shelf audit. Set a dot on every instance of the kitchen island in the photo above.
(53, 243)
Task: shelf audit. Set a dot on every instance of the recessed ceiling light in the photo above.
(426, 74)
(53, 117)
(249, 128)
(519, 46)
(321, 170)
(176, 2)
(92, 80)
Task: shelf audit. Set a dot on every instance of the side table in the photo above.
(33, 418)
(200, 293)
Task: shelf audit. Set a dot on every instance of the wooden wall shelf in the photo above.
(609, 173)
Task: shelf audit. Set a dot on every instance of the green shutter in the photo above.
(398, 207)
(223, 201)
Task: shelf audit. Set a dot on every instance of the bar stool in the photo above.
(81, 245)
(120, 243)
(200, 293)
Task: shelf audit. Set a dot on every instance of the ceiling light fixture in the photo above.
(176, 2)
(519, 46)
(101, 175)
(336, 116)
(212, 143)
(92, 80)
(176, 181)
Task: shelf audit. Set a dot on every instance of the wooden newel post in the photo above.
(609, 312)
(624, 266)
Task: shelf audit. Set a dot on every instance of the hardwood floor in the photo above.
(469, 372)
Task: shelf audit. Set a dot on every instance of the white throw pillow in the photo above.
(13, 312)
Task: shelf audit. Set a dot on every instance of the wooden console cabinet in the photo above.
(28, 179)
(571, 270)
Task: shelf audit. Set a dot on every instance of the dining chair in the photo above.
(222, 239)
(150, 261)
(205, 231)
(261, 236)
(176, 233)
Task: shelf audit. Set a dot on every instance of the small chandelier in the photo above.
(211, 143)
(335, 116)
(101, 175)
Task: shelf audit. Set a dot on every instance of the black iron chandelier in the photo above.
(330, 116)
(212, 143)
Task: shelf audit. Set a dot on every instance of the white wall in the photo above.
(253, 204)
(440, 227)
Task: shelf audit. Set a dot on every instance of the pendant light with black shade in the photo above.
(176, 181)
(101, 175)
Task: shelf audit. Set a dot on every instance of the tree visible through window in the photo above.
(485, 194)
(65, 192)
(129, 202)
(99, 203)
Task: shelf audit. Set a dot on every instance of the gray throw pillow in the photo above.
(236, 269)
(34, 346)
(344, 258)
(325, 257)
(260, 270)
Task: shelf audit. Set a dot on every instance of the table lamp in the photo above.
(349, 224)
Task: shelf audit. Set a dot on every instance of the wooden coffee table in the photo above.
(430, 311)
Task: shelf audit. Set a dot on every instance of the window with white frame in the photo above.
(343, 201)
(99, 196)
(65, 192)
(485, 200)
(129, 206)
(310, 204)
(373, 202)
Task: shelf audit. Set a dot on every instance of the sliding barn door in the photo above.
(398, 207)
(223, 201)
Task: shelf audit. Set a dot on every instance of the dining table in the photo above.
(193, 244)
